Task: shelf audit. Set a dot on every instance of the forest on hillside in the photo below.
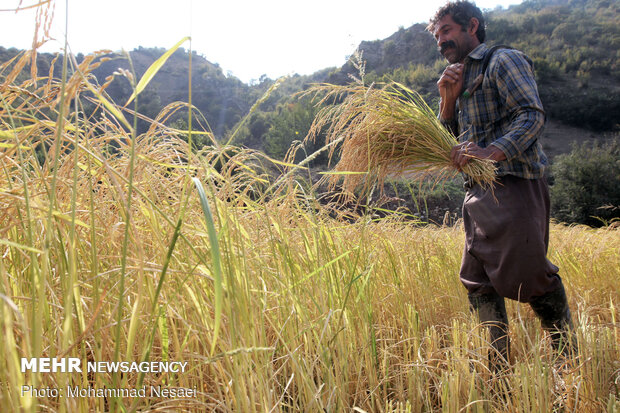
(574, 44)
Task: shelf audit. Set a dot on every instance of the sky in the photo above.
(247, 38)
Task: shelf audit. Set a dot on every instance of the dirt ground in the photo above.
(558, 138)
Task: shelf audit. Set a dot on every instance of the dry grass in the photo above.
(386, 130)
(108, 252)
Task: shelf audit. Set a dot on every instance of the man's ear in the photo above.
(473, 26)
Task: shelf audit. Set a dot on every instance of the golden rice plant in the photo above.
(155, 251)
(275, 305)
(386, 129)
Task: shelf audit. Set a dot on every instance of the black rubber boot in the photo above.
(491, 310)
(552, 309)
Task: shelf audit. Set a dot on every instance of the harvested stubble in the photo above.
(386, 129)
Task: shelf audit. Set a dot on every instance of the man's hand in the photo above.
(450, 85)
(464, 152)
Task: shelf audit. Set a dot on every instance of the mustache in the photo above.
(446, 45)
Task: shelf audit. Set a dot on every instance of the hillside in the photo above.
(222, 100)
(575, 46)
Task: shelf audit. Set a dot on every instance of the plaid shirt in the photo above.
(505, 111)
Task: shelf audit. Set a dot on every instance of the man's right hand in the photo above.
(450, 85)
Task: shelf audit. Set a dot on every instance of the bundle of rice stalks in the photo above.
(387, 130)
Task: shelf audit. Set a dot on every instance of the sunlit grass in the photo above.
(274, 304)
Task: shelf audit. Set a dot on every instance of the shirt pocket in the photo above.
(484, 107)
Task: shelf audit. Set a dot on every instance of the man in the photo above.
(506, 228)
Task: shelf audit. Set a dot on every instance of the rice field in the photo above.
(119, 247)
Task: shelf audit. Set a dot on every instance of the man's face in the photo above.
(453, 42)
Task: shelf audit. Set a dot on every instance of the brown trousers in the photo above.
(506, 240)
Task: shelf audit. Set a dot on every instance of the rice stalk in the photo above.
(154, 68)
(317, 314)
(387, 129)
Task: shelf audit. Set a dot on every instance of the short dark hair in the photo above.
(461, 11)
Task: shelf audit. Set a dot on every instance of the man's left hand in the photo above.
(464, 152)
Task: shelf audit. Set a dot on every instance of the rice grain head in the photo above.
(387, 129)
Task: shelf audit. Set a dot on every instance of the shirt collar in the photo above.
(479, 52)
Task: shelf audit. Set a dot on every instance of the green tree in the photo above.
(290, 123)
(586, 187)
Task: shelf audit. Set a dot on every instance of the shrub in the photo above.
(586, 187)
